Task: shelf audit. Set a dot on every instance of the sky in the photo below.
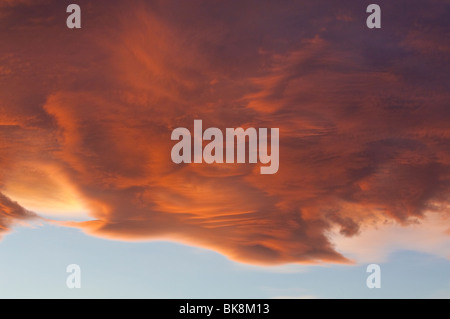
(86, 175)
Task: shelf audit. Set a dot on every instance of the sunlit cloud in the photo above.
(86, 119)
(376, 244)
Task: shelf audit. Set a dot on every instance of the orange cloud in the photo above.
(362, 139)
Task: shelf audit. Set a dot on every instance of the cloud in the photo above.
(11, 213)
(12, 3)
(363, 118)
(376, 244)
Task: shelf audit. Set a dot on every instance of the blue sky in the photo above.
(34, 260)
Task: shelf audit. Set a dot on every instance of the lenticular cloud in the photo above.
(363, 118)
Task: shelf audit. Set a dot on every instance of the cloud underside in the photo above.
(363, 117)
(11, 212)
